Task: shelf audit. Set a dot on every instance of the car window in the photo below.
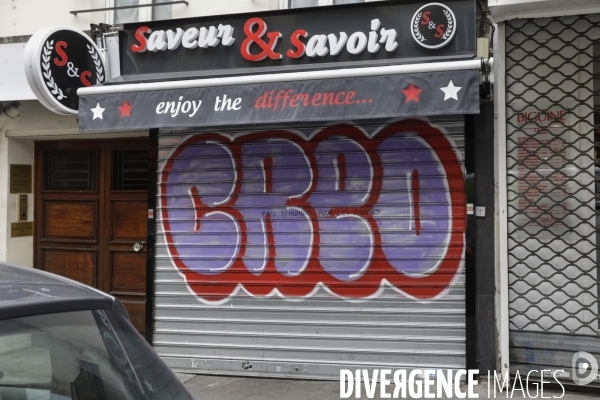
(94, 355)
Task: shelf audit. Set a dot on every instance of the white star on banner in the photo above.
(97, 111)
(451, 91)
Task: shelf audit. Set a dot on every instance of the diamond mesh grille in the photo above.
(552, 106)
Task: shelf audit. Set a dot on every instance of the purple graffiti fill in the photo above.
(206, 243)
(275, 170)
(345, 181)
(408, 249)
(211, 196)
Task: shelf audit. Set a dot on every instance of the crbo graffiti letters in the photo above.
(272, 212)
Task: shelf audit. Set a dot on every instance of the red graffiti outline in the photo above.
(222, 285)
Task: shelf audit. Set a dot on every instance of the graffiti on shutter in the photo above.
(274, 213)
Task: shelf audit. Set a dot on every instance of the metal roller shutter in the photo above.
(553, 176)
(297, 252)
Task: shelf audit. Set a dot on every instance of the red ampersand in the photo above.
(255, 37)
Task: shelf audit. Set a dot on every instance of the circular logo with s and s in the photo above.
(58, 61)
(433, 26)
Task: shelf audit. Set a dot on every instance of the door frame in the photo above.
(103, 147)
(151, 232)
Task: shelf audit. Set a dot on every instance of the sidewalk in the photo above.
(209, 387)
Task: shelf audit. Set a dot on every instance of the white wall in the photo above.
(207, 7)
(25, 17)
(19, 249)
(13, 84)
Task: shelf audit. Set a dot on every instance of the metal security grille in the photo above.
(300, 251)
(552, 114)
(130, 170)
(70, 170)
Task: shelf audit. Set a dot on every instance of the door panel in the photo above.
(91, 208)
(126, 268)
(76, 264)
(128, 220)
(70, 219)
(128, 282)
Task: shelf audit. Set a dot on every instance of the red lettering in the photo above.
(294, 100)
(261, 102)
(349, 97)
(440, 31)
(315, 99)
(61, 53)
(143, 42)
(286, 96)
(557, 115)
(520, 117)
(85, 75)
(326, 96)
(304, 99)
(425, 19)
(277, 97)
(300, 47)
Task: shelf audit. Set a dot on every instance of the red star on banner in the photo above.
(412, 93)
(125, 109)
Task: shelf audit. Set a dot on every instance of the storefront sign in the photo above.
(423, 94)
(58, 61)
(366, 34)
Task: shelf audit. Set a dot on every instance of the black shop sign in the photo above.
(301, 39)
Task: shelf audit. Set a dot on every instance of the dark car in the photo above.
(60, 339)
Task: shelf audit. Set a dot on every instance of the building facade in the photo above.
(296, 240)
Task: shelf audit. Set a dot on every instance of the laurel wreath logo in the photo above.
(48, 78)
(98, 62)
(416, 31)
(450, 25)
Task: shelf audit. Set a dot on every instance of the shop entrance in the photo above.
(90, 212)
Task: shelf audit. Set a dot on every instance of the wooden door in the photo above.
(125, 226)
(90, 211)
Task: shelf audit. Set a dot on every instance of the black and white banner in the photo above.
(408, 95)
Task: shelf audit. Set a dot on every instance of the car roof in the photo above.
(28, 291)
